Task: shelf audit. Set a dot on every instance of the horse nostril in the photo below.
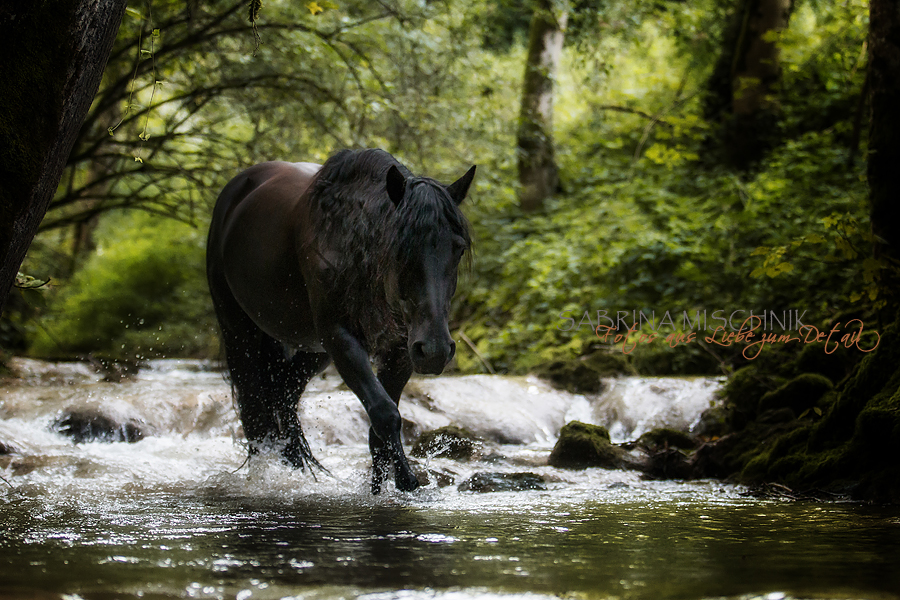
(418, 351)
(452, 351)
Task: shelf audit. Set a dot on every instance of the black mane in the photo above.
(372, 239)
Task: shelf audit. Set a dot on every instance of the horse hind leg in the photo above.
(296, 372)
(266, 386)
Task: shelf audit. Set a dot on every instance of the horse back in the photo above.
(252, 259)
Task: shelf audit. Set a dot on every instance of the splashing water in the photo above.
(180, 514)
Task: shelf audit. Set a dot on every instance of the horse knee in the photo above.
(386, 423)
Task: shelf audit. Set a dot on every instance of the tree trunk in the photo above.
(884, 137)
(745, 80)
(52, 57)
(538, 173)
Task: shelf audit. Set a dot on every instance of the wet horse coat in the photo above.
(310, 264)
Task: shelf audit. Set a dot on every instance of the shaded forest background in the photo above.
(704, 155)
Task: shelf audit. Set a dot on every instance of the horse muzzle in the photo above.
(429, 357)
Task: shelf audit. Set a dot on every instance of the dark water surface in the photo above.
(227, 547)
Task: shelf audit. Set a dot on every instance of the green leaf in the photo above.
(27, 282)
(34, 298)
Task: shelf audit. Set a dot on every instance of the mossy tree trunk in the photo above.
(744, 82)
(52, 57)
(884, 138)
(538, 173)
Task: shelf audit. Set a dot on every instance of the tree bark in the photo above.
(538, 173)
(884, 137)
(745, 81)
(52, 57)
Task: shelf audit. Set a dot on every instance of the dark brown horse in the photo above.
(309, 264)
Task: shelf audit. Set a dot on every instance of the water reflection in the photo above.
(207, 547)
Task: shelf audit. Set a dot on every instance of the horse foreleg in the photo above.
(352, 362)
(393, 372)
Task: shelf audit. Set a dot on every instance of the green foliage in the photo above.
(646, 223)
(142, 294)
(646, 220)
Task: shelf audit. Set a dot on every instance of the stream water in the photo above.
(180, 514)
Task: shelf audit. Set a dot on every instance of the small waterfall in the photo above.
(631, 406)
(191, 439)
(188, 398)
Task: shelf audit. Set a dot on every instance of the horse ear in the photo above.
(396, 185)
(459, 188)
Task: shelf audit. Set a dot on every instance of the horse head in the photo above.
(431, 240)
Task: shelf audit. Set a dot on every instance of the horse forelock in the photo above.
(426, 214)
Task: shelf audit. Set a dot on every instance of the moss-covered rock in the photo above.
(834, 365)
(658, 359)
(447, 442)
(582, 375)
(581, 445)
(743, 391)
(668, 463)
(713, 423)
(728, 456)
(570, 375)
(608, 363)
(853, 447)
(502, 482)
(799, 394)
(663, 437)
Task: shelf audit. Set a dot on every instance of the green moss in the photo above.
(656, 439)
(875, 380)
(799, 394)
(659, 359)
(743, 391)
(581, 445)
(835, 365)
(608, 364)
(582, 375)
(853, 448)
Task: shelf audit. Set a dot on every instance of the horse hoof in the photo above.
(407, 484)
